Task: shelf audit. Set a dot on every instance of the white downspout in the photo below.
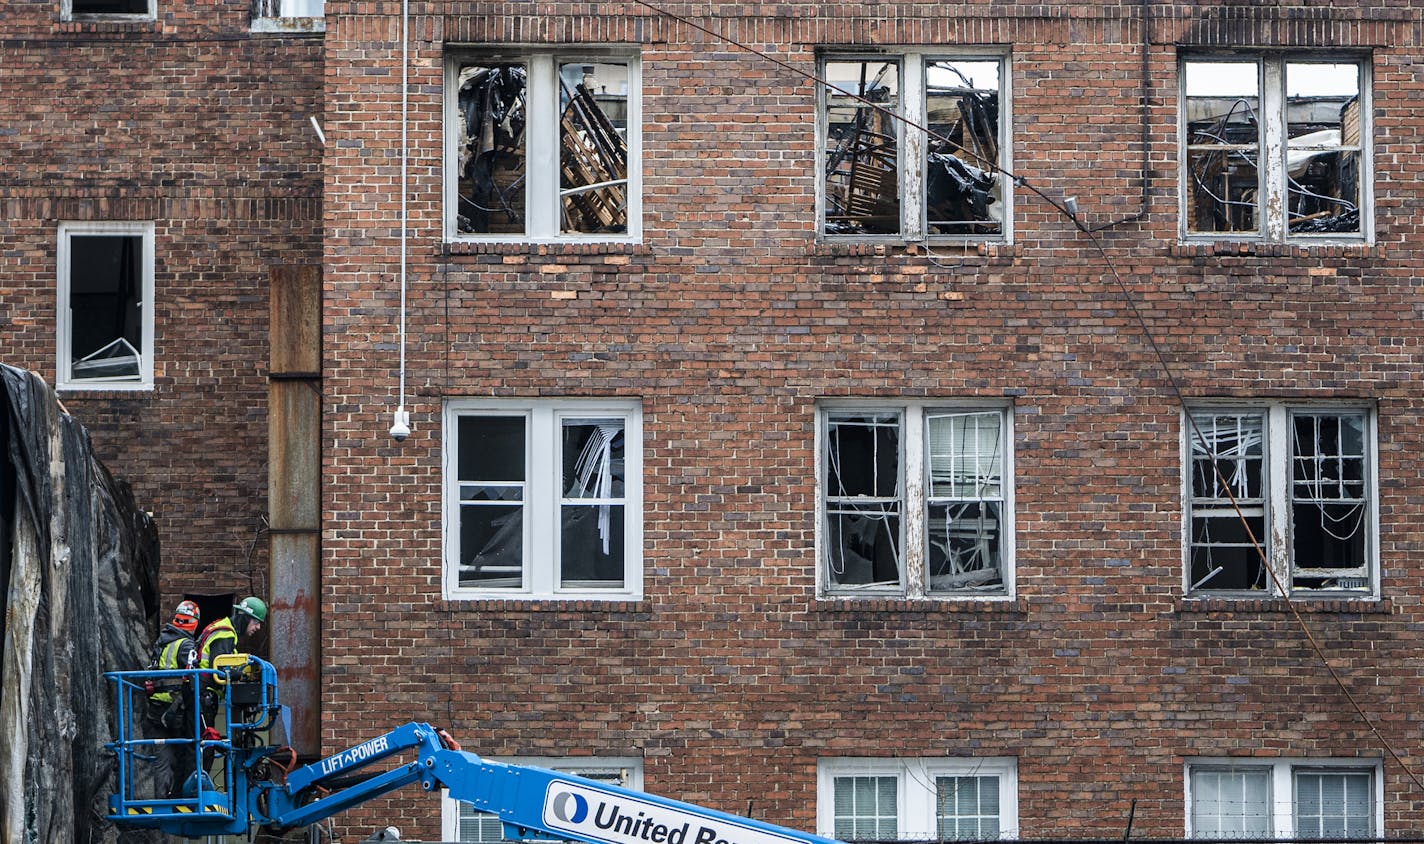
(400, 427)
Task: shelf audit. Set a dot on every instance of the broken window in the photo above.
(943, 534)
(1274, 148)
(107, 8)
(542, 502)
(1302, 479)
(545, 146)
(299, 12)
(105, 291)
(883, 175)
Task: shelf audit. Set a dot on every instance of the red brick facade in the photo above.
(731, 322)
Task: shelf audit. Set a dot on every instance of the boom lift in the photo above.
(256, 789)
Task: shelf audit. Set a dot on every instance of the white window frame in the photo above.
(913, 539)
(1282, 798)
(915, 790)
(913, 140)
(542, 495)
(541, 138)
(1271, 146)
(1277, 492)
(64, 363)
(629, 768)
(66, 12)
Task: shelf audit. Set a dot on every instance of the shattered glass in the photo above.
(964, 521)
(863, 502)
(1230, 463)
(1329, 501)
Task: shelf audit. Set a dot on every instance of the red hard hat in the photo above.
(186, 617)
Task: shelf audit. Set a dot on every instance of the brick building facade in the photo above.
(765, 455)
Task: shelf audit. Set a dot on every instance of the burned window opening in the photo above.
(1309, 511)
(863, 503)
(1318, 176)
(579, 183)
(126, 8)
(105, 285)
(964, 515)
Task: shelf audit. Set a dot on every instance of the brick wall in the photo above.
(730, 320)
(201, 127)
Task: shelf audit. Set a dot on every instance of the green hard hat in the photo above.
(252, 607)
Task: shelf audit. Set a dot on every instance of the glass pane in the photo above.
(863, 455)
(862, 545)
(593, 147)
(491, 148)
(967, 807)
(491, 448)
(965, 455)
(591, 545)
(965, 544)
(862, 154)
(1334, 805)
(106, 306)
(491, 545)
(593, 458)
(1231, 804)
(1222, 105)
(963, 190)
(865, 808)
(478, 827)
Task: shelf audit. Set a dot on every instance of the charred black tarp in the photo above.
(78, 566)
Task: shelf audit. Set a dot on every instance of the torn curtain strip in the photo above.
(78, 574)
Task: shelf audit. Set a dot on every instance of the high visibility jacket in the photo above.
(174, 650)
(218, 639)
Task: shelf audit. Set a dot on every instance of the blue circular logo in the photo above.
(564, 801)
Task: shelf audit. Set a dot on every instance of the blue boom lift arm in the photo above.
(257, 791)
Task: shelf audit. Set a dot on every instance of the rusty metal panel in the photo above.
(295, 630)
(294, 473)
(295, 320)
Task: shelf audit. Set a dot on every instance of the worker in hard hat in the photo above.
(170, 706)
(225, 636)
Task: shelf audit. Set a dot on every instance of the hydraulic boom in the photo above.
(256, 789)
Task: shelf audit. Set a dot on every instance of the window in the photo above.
(543, 499)
(1297, 799)
(1302, 474)
(106, 9)
(543, 146)
(105, 306)
(287, 15)
(882, 176)
(1275, 147)
(915, 500)
(462, 823)
(925, 799)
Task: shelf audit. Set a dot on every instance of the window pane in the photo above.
(491, 545)
(963, 191)
(1222, 104)
(109, 7)
(967, 807)
(593, 458)
(591, 545)
(1329, 504)
(593, 147)
(965, 455)
(865, 808)
(1334, 805)
(1322, 159)
(1231, 803)
(1228, 461)
(863, 455)
(106, 306)
(491, 448)
(863, 545)
(477, 827)
(491, 147)
(862, 154)
(965, 546)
